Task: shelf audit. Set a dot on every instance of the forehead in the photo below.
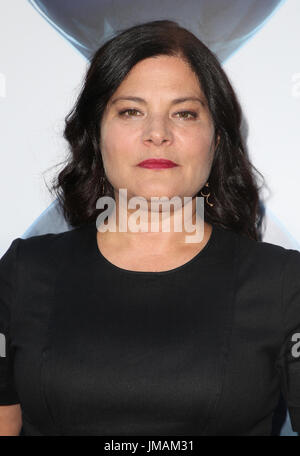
(167, 73)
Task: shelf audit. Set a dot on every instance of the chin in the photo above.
(157, 193)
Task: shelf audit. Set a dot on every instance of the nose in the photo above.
(157, 131)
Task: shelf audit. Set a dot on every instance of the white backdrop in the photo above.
(40, 74)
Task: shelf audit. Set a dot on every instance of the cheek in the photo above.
(197, 144)
(117, 141)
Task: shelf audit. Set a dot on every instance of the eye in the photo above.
(191, 113)
(129, 111)
(122, 113)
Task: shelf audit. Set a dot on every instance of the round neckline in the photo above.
(203, 252)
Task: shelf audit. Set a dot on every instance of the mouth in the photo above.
(157, 163)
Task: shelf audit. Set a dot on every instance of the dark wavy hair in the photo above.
(233, 180)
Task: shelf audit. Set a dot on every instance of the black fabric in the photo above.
(202, 349)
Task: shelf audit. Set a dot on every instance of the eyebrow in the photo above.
(175, 101)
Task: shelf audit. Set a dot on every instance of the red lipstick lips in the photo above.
(157, 163)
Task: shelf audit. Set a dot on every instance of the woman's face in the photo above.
(158, 127)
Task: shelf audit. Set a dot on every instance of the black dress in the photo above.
(201, 349)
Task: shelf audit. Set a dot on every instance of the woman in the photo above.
(141, 332)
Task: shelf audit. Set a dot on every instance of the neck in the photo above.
(165, 226)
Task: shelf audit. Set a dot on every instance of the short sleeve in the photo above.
(8, 286)
(290, 350)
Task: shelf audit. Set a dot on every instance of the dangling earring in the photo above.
(206, 196)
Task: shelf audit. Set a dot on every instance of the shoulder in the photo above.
(47, 249)
(34, 244)
(262, 258)
(265, 252)
(270, 265)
